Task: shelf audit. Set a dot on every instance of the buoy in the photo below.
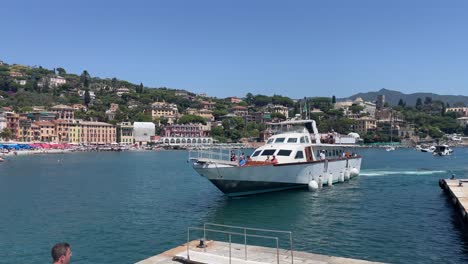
(313, 185)
(354, 172)
(342, 177)
(347, 174)
(330, 179)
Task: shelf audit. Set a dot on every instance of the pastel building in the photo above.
(125, 133)
(13, 124)
(46, 131)
(63, 112)
(165, 110)
(97, 133)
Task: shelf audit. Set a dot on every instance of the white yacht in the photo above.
(442, 150)
(429, 149)
(301, 161)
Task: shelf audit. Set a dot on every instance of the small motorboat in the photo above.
(390, 148)
(429, 149)
(442, 150)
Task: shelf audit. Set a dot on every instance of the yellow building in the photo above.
(46, 131)
(97, 133)
(205, 113)
(163, 109)
(125, 133)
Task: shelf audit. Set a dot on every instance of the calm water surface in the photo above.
(124, 207)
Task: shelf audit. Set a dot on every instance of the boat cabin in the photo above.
(296, 147)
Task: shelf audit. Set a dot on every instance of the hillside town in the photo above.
(51, 106)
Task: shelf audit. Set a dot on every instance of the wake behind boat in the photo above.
(292, 159)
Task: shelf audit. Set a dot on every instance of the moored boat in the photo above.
(291, 159)
(442, 150)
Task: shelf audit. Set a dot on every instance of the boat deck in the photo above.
(217, 252)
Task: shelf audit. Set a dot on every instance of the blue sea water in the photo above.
(124, 207)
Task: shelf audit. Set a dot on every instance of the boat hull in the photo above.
(238, 181)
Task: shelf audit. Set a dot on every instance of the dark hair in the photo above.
(58, 250)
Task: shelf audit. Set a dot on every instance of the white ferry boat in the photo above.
(301, 161)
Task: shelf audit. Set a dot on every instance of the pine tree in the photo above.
(140, 88)
(418, 103)
(87, 97)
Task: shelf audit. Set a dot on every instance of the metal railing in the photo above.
(244, 234)
(214, 154)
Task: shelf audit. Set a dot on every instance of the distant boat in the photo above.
(390, 148)
(442, 150)
(429, 149)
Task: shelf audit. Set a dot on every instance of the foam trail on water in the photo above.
(414, 172)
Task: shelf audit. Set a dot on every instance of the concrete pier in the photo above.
(458, 191)
(217, 252)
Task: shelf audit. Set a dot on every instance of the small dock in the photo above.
(458, 191)
(218, 253)
(205, 251)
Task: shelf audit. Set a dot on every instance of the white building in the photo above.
(3, 121)
(54, 81)
(57, 81)
(143, 131)
(122, 90)
(20, 82)
(462, 121)
(92, 95)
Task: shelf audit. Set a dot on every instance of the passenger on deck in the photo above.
(268, 159)
(233, 156)
(242, 156)
(274, 160)
(242, 162)
(347, 155)
(322, 155)
(249, 158)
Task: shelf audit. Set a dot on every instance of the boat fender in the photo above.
(347, 175)
(313, 185)
(354, 172)
(320, 181)
(342, 178)
(330, 179)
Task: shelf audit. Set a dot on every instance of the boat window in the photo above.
(292, 140)
(268, 152)
(306, 139)
(256, 153)
(279, 140)
(270, 141)
(302, 140)
(299, 155)
(284, 152)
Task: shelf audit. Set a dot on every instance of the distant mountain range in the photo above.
(392, 97)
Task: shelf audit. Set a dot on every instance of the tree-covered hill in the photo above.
(393, 97)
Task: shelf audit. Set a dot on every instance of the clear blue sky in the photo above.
(229, 48)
